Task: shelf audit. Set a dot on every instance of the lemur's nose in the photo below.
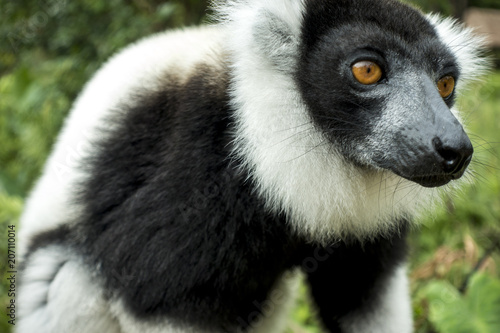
(456, 154)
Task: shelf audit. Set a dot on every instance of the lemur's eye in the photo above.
(367, 72)
(446, 85)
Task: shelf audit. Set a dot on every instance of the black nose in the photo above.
(456, 155)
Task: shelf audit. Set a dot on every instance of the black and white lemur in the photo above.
(202, 172)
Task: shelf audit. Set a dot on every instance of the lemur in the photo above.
(203, 172)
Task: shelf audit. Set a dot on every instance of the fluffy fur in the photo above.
(195, 176)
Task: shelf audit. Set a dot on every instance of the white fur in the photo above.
(137, 68)
(59, 296)
(391, 313)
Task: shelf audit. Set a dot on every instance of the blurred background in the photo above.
(50, 48)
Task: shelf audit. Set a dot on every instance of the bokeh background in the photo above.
(50, 48)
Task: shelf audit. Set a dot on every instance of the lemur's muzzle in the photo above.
(441, 148)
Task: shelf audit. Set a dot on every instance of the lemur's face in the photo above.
(381, 89)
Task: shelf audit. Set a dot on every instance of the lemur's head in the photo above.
(380, 84)
(345, 108)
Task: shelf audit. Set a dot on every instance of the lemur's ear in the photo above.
(267, 31)
(275, 40)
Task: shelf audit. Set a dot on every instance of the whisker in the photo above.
(295, 127)
(302, 132)
(308, 151)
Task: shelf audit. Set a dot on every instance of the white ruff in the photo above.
(294, 167)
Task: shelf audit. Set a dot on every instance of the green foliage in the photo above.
(438, 6)
(49, 50)
(303, 315)
(495, 4)
(450, 7)
(478, 311)
(32, 112)
(87, 31)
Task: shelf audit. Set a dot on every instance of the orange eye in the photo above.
(446, 85)
(367, 72)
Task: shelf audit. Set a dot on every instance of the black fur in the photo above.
(57, 236)
(395, 18)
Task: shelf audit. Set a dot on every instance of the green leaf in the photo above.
(483, 299)
(166, 10)
(476, 312)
